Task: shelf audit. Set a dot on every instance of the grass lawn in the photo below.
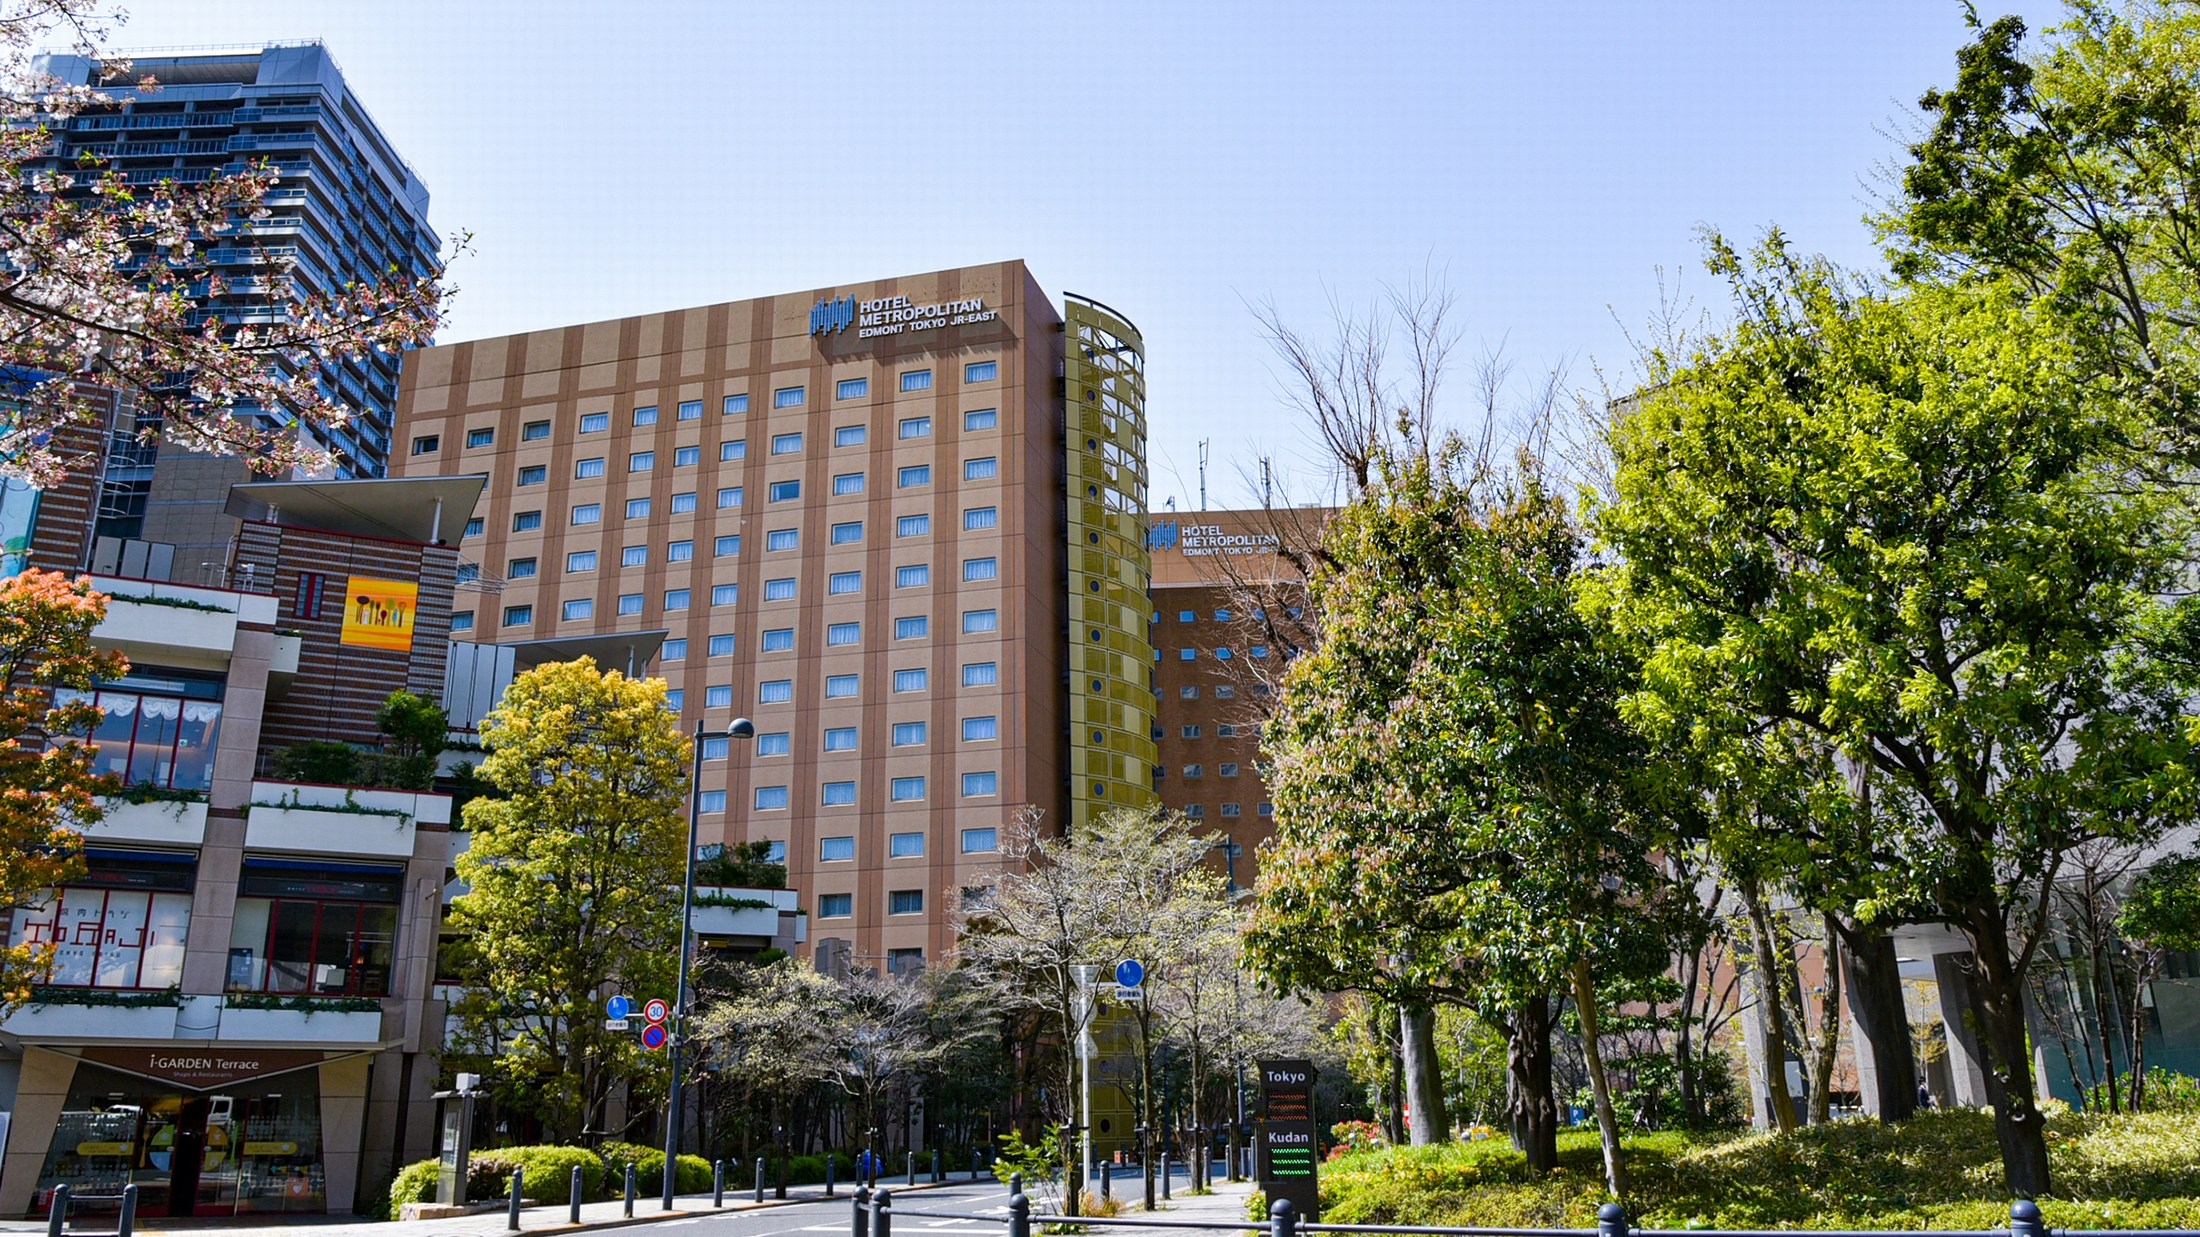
(1940, 1170)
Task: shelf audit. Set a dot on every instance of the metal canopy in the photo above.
(625, 651)
(417, 509)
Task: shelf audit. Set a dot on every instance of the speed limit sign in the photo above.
(656, 1010)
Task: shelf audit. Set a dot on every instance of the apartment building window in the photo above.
(677, 598)
(981, 674)
(729, 497)
(913, 526)
(1223, 653)
(838, 794)
(1226, 730)
(905, 902)
(852, 388)
(518, 616)
(1187, 616)
(905, 845)
(679, 551)
(976, 622)
(691, 410)
(981, 469)
(727, 546)
(526, 521)
(534, 431)
(588, 513)
(980, 729)
(641, 461)
(720, 646)
(980, 785)
(474, 527)
(785, 491)
(981, 569)
(1193, 771)
(646, 415)
(976, 518)
(534, 474)
(724, 594)
(779, 640)
(735, 405)
(840, 739)
(1187, 654)
(312, 587)
(906, 789)
(779, 590)
(1188, 692)
(1227, 769)
(979, 419)
(462, 620)
(916, 575)
(1230, 810)
(630, 603)
(686, 457)
(595, 422)
(1258, 652)
(916, 427)
(771, 798)
(842, 583)
(981, 371)
(844, 633)
(848, 533)
(770, 691)
(1191, 732)
(786, 444)
(917, 380)
(637, 508)
(735, 449)
(1224, 691)
(329, 931)
(911, 628)
(908, 734)
(775, 743)
(585, 469)
(673, 650)
(981, 841)
(783, 539)
(711, 801)
(1197, 811)
(840, 686)
(836, 905)
(848, 483)
(787, 397)
(634, 556)
(519, 568)
(1265, 808)
(427, 444)
(910, 680)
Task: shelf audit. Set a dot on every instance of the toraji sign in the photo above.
(378, 614)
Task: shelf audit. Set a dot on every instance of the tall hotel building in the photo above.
(901, 525)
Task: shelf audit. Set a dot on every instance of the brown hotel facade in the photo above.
(900, 525)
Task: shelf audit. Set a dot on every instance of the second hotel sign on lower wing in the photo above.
(378, 614)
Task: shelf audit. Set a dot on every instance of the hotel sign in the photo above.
(894, 315)
(1204, 540)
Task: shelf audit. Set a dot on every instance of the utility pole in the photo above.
(1086, 1047)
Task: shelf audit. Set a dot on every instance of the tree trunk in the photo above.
(1997, 1004)
(1424, 1077)
(1585, 1004)
(1394, 1106)
(1771, 1018)
(1528, 1064)
(1684, 1025)
(2142, 974)
(1882, 1021)
(1828, 1044)
(2096, 961)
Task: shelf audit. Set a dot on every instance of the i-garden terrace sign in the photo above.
(895, 315)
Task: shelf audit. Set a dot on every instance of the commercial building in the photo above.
(900, 524)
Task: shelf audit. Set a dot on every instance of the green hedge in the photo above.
(810, 1169)
(549, 1173)
(692, 1176)
(415, 1183)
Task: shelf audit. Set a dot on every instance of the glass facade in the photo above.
(158, 728)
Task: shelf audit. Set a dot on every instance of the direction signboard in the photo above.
(656, 1010)
(1287, 1143)
(653, 1035)
(617, 1007)
(1130, 973)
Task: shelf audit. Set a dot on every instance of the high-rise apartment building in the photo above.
(900, 525)
(346, 209)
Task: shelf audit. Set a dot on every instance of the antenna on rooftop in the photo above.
(1203, 472)
(1267, 486)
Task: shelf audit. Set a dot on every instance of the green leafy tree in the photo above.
(48, 791)
(2160, 916)
(1895, 524)
(569, 879)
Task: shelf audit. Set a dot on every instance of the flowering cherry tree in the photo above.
(100, 277)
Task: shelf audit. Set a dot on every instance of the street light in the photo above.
(741, 728)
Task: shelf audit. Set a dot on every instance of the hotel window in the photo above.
(519, 569)
(980, 729)
(319, 928)
(912, 576)
(637, 508)
(848, 483)
(679, 551)
(840, 739)
(771, 798)
(534, 474)
(785, 491)
(775, 852)
(534, 431)
(775, 743)
(783, 539)
(630, 603)
(727, 546)
(975, 518)
(683, 503)
(475, 527)
(787, 397)
(674, 650)
(462, 620)
(849, 533)
(908, 734)
(735, 405)
(852, 388)
(711, 801)
(914, 475)
(585, 469)
(779, 590)
(981, 469)
(588, 513)
(646, 415)
(844, 633)
(980, 841)
(466, 573)
(905, 845)
(836, 905)
(427, 444)
(685, 457)
(979, 419)
(786, 444)
(917, 380)
(729, 497)
(913, 526)
(518, 616)
(720, 646)
(981, 371)
(976, 621)
(738, 449)
(981, 674)
(595, 422)
(905, 902)
(981, 569)
(770, 691)
(838, 794)
(848, 436)
(910, 680)
(634, 556)
(641, 461)
(841, 583)
(906, 790)
(980, 784)
(724, 594)
(840, 686)
(691, 410)
(677, 598)
(779, 640)
(916, 427)
(911, 628)
(675, 699)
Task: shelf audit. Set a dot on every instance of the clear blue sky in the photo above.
(1180, 161)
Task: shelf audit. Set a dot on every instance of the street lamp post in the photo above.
(741, 728)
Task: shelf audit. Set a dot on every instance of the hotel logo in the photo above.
(1161, 536)
(830, 316)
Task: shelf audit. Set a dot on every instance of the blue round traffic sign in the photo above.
(617, 1007)
(1129, 974)
(653, 1035)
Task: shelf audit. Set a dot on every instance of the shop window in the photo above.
(155, 730)
(121, 924)
(320, 929)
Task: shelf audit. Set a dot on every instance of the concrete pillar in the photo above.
(1965, 1076)
(40, 1095)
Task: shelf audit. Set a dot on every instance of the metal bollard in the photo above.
(127, 1221)
(1015, 1184)
(717, 1183)
(937, 1175)
(2024, 1219)
(977, 1163)
(57, 1210)
(630, 1189)
(511, 1207)
(1164, 1176)
(862, 1226)
(1107, 1180)
(760, 1177)
(829, 1174)
(1612, 1221)
(882, 1214)
(573, 1196)
(912, 1168)
(1283, 1219)
(1019, 1215)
